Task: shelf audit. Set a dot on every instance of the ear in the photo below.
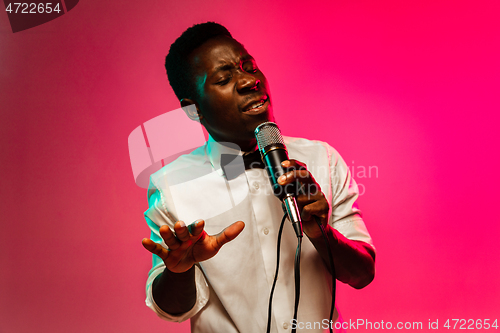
(189, 106)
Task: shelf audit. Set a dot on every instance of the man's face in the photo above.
(232, 93)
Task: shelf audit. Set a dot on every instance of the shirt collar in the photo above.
(214, 150)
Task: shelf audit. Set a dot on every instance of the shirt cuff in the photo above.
(202, 294)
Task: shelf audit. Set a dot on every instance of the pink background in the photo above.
(408, 87)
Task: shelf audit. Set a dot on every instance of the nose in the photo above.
(247, 82)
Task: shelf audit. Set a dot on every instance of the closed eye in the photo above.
(250, 66)
(223, 81)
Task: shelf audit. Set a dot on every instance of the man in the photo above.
(222, 282)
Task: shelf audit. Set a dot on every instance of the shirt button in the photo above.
(266, 231)
(285, 326)
(256, 185)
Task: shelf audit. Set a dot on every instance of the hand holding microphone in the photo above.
(303, 203)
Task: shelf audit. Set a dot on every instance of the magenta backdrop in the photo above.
(410, 89)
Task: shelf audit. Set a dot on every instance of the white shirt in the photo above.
(233, 287)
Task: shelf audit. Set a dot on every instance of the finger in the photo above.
(181, 231)
(155, 248)
(308, 193)
(168, 236)
(229, 234)
(318, 208)
(196, 228)
(289, 177)
(297, 165)
(293, 164)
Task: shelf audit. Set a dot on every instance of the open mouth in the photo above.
(258, 106)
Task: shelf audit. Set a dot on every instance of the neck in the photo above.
(245, 146)
(249, 148)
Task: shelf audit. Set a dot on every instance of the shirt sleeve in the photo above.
(156, 216)
(345, 215)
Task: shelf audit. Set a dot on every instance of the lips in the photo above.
(256, 106)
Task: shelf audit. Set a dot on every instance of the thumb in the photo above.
(229, 233)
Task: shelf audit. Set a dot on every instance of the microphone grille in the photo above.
(268, 133)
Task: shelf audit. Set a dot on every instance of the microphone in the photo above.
(273, 152)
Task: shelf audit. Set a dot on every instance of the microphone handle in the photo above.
(272, 159)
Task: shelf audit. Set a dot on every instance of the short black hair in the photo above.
(178, 68)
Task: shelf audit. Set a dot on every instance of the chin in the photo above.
(256, 123)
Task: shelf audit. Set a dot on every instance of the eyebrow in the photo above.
(226, 67)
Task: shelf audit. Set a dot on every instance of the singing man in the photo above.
(217, 268)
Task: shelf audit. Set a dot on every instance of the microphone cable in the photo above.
(268, 330)
(332, 271)
(297, 282)
(297, 275)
